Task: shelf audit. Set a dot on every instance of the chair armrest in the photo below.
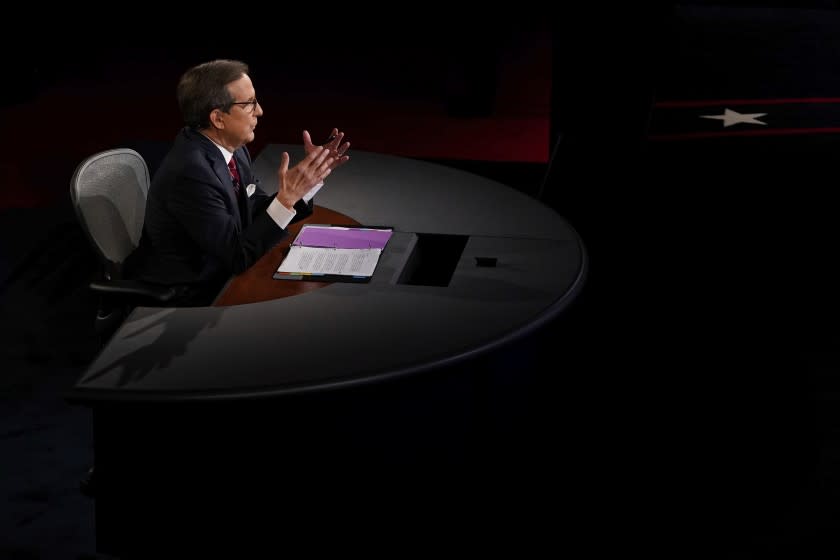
(134, 288)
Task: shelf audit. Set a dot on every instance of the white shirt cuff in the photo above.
(281, 215)
(308, 196)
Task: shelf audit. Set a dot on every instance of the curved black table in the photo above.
(371, 386)
(353, 333)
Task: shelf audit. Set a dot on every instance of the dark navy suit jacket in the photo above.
(196, 233)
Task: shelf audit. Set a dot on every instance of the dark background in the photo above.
(699, 418)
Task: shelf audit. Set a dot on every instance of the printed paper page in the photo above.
(318, 260)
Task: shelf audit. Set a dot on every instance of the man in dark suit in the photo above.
(205, 218)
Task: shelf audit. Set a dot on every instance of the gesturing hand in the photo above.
(297, 181)
(333, 144)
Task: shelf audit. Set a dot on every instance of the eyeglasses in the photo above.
(248, 106)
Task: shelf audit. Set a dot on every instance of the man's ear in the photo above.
(216, 118)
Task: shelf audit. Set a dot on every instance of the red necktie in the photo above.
(234, 175)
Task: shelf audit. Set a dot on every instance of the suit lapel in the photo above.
(245, 178)
(223, 173)
(221, 170)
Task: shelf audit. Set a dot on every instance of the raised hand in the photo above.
(297, 181)
(333, 144)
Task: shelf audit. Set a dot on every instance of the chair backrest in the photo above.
(108, 190)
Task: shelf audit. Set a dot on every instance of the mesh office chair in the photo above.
(108, 191)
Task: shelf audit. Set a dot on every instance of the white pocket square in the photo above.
(250, 189)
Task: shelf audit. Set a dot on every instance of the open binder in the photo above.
(331, 253)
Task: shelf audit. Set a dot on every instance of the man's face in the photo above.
(241, 119)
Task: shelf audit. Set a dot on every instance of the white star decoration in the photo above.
(730, 117)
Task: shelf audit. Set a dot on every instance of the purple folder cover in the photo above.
(340, 237)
